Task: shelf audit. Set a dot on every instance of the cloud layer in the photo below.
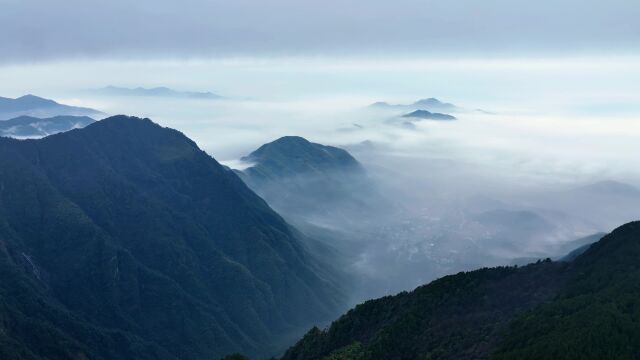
(39, 30)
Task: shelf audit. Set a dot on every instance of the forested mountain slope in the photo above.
(125, 240)
(585, 309)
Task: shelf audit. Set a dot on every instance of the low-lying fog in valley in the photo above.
(538, 158)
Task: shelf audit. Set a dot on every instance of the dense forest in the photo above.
(588, 308)
(125, 240)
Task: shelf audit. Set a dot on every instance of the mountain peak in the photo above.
(123, 123)
(291, 139)
(36, 106)
(295, 155)
(285, 143)
(432, 104)
(136, 131)
(126, 119)
(303, 180)
(31, 96)
(428, 115)
(429, 100)
(35, 100)
(126, 122)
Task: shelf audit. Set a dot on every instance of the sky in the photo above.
(307, 66)
(41, 30)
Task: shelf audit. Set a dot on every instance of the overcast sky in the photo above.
(36, 30)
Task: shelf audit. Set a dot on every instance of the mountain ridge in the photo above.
(35, 106)
(160, 91)
(431, 104)
(583, 309)
(428, 115)
(133, 229)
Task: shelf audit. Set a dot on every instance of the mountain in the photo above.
(424, 114)
(30, 105)
(32, 127)
(155, 92)
(585, 309)
(572, 255)
(576, 247)
(124, 240)
(564, 251)
(295, 155)
(593, 317)
(297, 177)
(431, 104)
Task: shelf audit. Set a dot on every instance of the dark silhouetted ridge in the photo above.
(124, 240)
(585, 309)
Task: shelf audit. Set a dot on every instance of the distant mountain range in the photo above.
(124, 240)
(155, 92)
(582, 309)
(427, 115)
(431, 104)
(32, 127)
(34, 106)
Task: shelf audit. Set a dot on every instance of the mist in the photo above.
(510, 181)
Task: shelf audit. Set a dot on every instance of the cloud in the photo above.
(34, 30)
(538, 144)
